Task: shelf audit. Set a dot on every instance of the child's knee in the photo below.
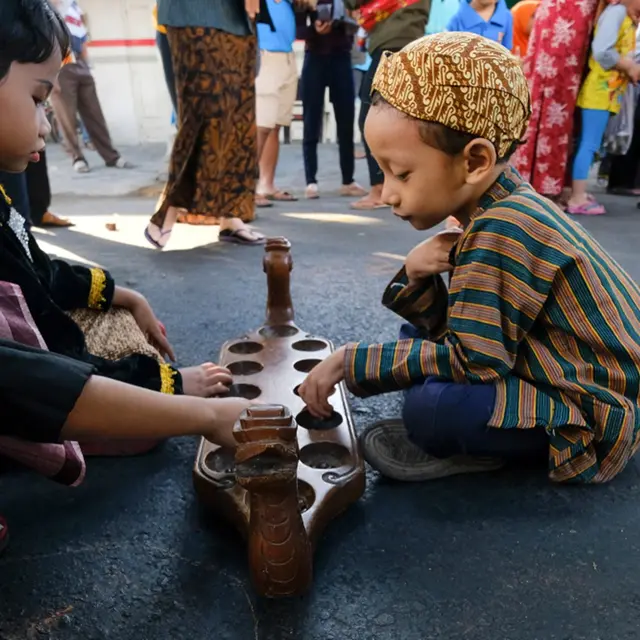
(421, 419)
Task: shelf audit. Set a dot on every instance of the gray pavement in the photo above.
(150, 164)
(130, 555)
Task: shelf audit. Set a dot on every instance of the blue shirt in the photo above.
(441, 13)
(499, 27)
(284, 21)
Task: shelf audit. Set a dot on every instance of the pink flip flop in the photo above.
(590, 208)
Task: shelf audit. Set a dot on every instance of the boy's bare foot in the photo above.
(205, 381)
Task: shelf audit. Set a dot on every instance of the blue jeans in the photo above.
(594, 124)
(445, 418)
(319, 72)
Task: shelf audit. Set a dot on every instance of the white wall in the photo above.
(130, 80)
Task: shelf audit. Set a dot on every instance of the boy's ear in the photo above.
(480, 159)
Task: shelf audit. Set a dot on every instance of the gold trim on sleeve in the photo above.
(167, 382)
(96, 293)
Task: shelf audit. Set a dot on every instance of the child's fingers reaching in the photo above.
(162, 344)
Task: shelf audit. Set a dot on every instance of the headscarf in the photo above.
(522, 14)
(460, 80)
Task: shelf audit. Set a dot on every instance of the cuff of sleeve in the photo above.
(355, 362)
(170, 380)
(61, 382)
(101, 290)
(401, 296)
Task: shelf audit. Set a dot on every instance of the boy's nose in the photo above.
(388, 195)
(44, 126)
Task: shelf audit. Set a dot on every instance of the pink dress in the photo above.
(558, 51)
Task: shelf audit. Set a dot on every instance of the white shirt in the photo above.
(73, 18)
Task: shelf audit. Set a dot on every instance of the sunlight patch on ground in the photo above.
(391, 256)
(341, 218)
(62, 254)
(130, 231)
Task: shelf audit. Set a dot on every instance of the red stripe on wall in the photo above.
(143, 42)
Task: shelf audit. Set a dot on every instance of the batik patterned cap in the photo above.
(461, 80)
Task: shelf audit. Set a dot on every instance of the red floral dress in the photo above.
(558, 51)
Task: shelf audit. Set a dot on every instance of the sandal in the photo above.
(4, 534)
(368, 205)
(387, 448)
(262, 201)
(589, 208)
(241, 236)
(311, 192)
(280, 196)
(161, 241)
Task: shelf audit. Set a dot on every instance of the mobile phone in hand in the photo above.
(324, 13)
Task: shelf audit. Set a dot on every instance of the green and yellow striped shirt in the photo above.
(537, 307)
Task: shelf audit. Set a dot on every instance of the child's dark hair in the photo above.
(30, 31)
(441, 137)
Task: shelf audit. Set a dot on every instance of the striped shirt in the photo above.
(536, 307)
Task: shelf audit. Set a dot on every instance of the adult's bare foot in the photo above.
(205, 381)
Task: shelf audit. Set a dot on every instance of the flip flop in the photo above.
(368, 205)
(589, 208)
(158, 244)
(234, 236)
(262, 201)
(280, 196)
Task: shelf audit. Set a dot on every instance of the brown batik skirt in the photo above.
(213, 165)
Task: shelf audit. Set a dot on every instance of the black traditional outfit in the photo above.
(38, 389)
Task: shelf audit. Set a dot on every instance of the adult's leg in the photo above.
(313, 90)
(342, 93)
(92, 116)
(624, 170)
(287, 90)
(269, 162)
(64, 100)
(167, 66)
(40, 195)
(594, 124)
(374, 197)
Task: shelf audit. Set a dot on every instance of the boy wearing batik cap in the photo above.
(534, 350)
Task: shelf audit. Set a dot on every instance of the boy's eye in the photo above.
(402, 176)
(38, 102)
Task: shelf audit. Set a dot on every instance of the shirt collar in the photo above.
(471, 18)
(508, 181)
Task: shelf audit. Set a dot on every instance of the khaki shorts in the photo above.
(276, 89)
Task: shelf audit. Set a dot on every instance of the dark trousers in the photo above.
(75, 93)
(29, 191)
(167, 66)
(624, 171)
(446, 419)
(15, 185)
(375, 173)
(319, 72)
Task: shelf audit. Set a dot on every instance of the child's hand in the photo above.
(431, 257)
(321, 382)
(150, 325)
(226, 414)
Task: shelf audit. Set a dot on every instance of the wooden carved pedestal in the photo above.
(291, 474)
